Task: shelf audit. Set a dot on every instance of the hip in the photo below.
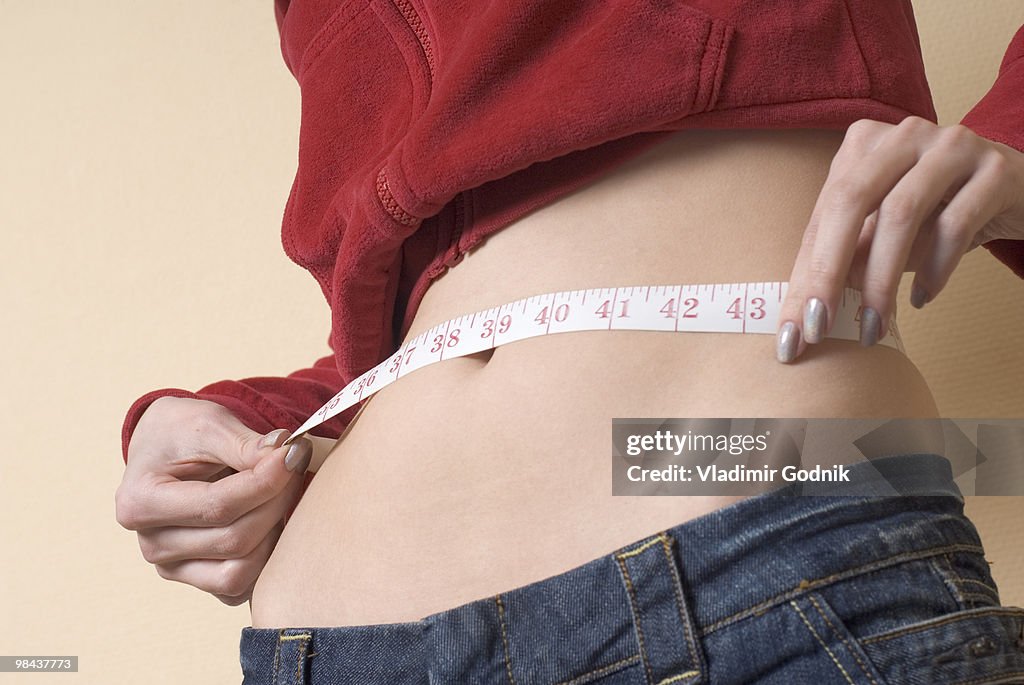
(904, 595)
(462, 478)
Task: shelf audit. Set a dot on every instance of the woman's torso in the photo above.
(477, 475)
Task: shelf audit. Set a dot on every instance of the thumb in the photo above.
(242, 448)
(269, 454)
(252, 447)
(237, 445)
(174, 502)
(273, 467)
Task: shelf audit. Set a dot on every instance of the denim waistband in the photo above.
(654, 599)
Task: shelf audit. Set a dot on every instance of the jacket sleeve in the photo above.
(262, 403)
(999, 116)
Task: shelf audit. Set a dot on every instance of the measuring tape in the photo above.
(698, 308)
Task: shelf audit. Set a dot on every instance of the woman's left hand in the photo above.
(908, 197)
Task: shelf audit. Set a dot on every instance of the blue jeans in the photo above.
(772, 589)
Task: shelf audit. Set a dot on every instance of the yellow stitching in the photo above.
(760, 607)
(299, 636)
(942, 566)
(978, 582)
(504, 638)
(677, 590)
(639, 549)
(678, 677)
(636, 615)
(950, 577)
(298, 662)
(959, 580)
(853, 651)
(957, 616)
(976, 596)
(818, 637)
(598, 671)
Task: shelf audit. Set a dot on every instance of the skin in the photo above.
(207, 503)
(913, 196)
(471, 477)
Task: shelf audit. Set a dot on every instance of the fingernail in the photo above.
(815, 318)
(299, 455)
(275, 438)
(918, 296)
(870, 326)
(786, 343)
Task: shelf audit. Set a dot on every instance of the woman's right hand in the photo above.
(207, 495)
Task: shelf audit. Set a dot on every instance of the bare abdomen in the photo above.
(476, 475)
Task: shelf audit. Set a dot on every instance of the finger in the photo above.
(900, 217)
(922, 246)
(789, 343)
(861, 137)
(823, 263)
(223, 473)
(168, 544)
(234, 601)
(171, 502)
(860, 256)
(231, 577)
(979, 201)
(211, 433)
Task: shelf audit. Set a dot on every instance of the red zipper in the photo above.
(387, 199)
(412, 17)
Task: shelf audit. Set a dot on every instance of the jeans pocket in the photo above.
(968, 578)
(843, 656)
(934, 619)
(967, 647)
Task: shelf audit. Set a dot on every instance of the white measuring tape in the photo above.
(700, 308)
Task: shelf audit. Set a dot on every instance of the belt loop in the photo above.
(663, 620)
(293, 646)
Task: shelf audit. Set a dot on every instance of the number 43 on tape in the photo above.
(696, 308)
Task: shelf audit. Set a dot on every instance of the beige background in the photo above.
(146, 152)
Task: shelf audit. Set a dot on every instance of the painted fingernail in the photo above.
(815, 318)
(786, 343)
(870, 325)
(918, 296)
(299, 455)
(275, 438)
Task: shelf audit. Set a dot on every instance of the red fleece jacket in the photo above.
(427, 125)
